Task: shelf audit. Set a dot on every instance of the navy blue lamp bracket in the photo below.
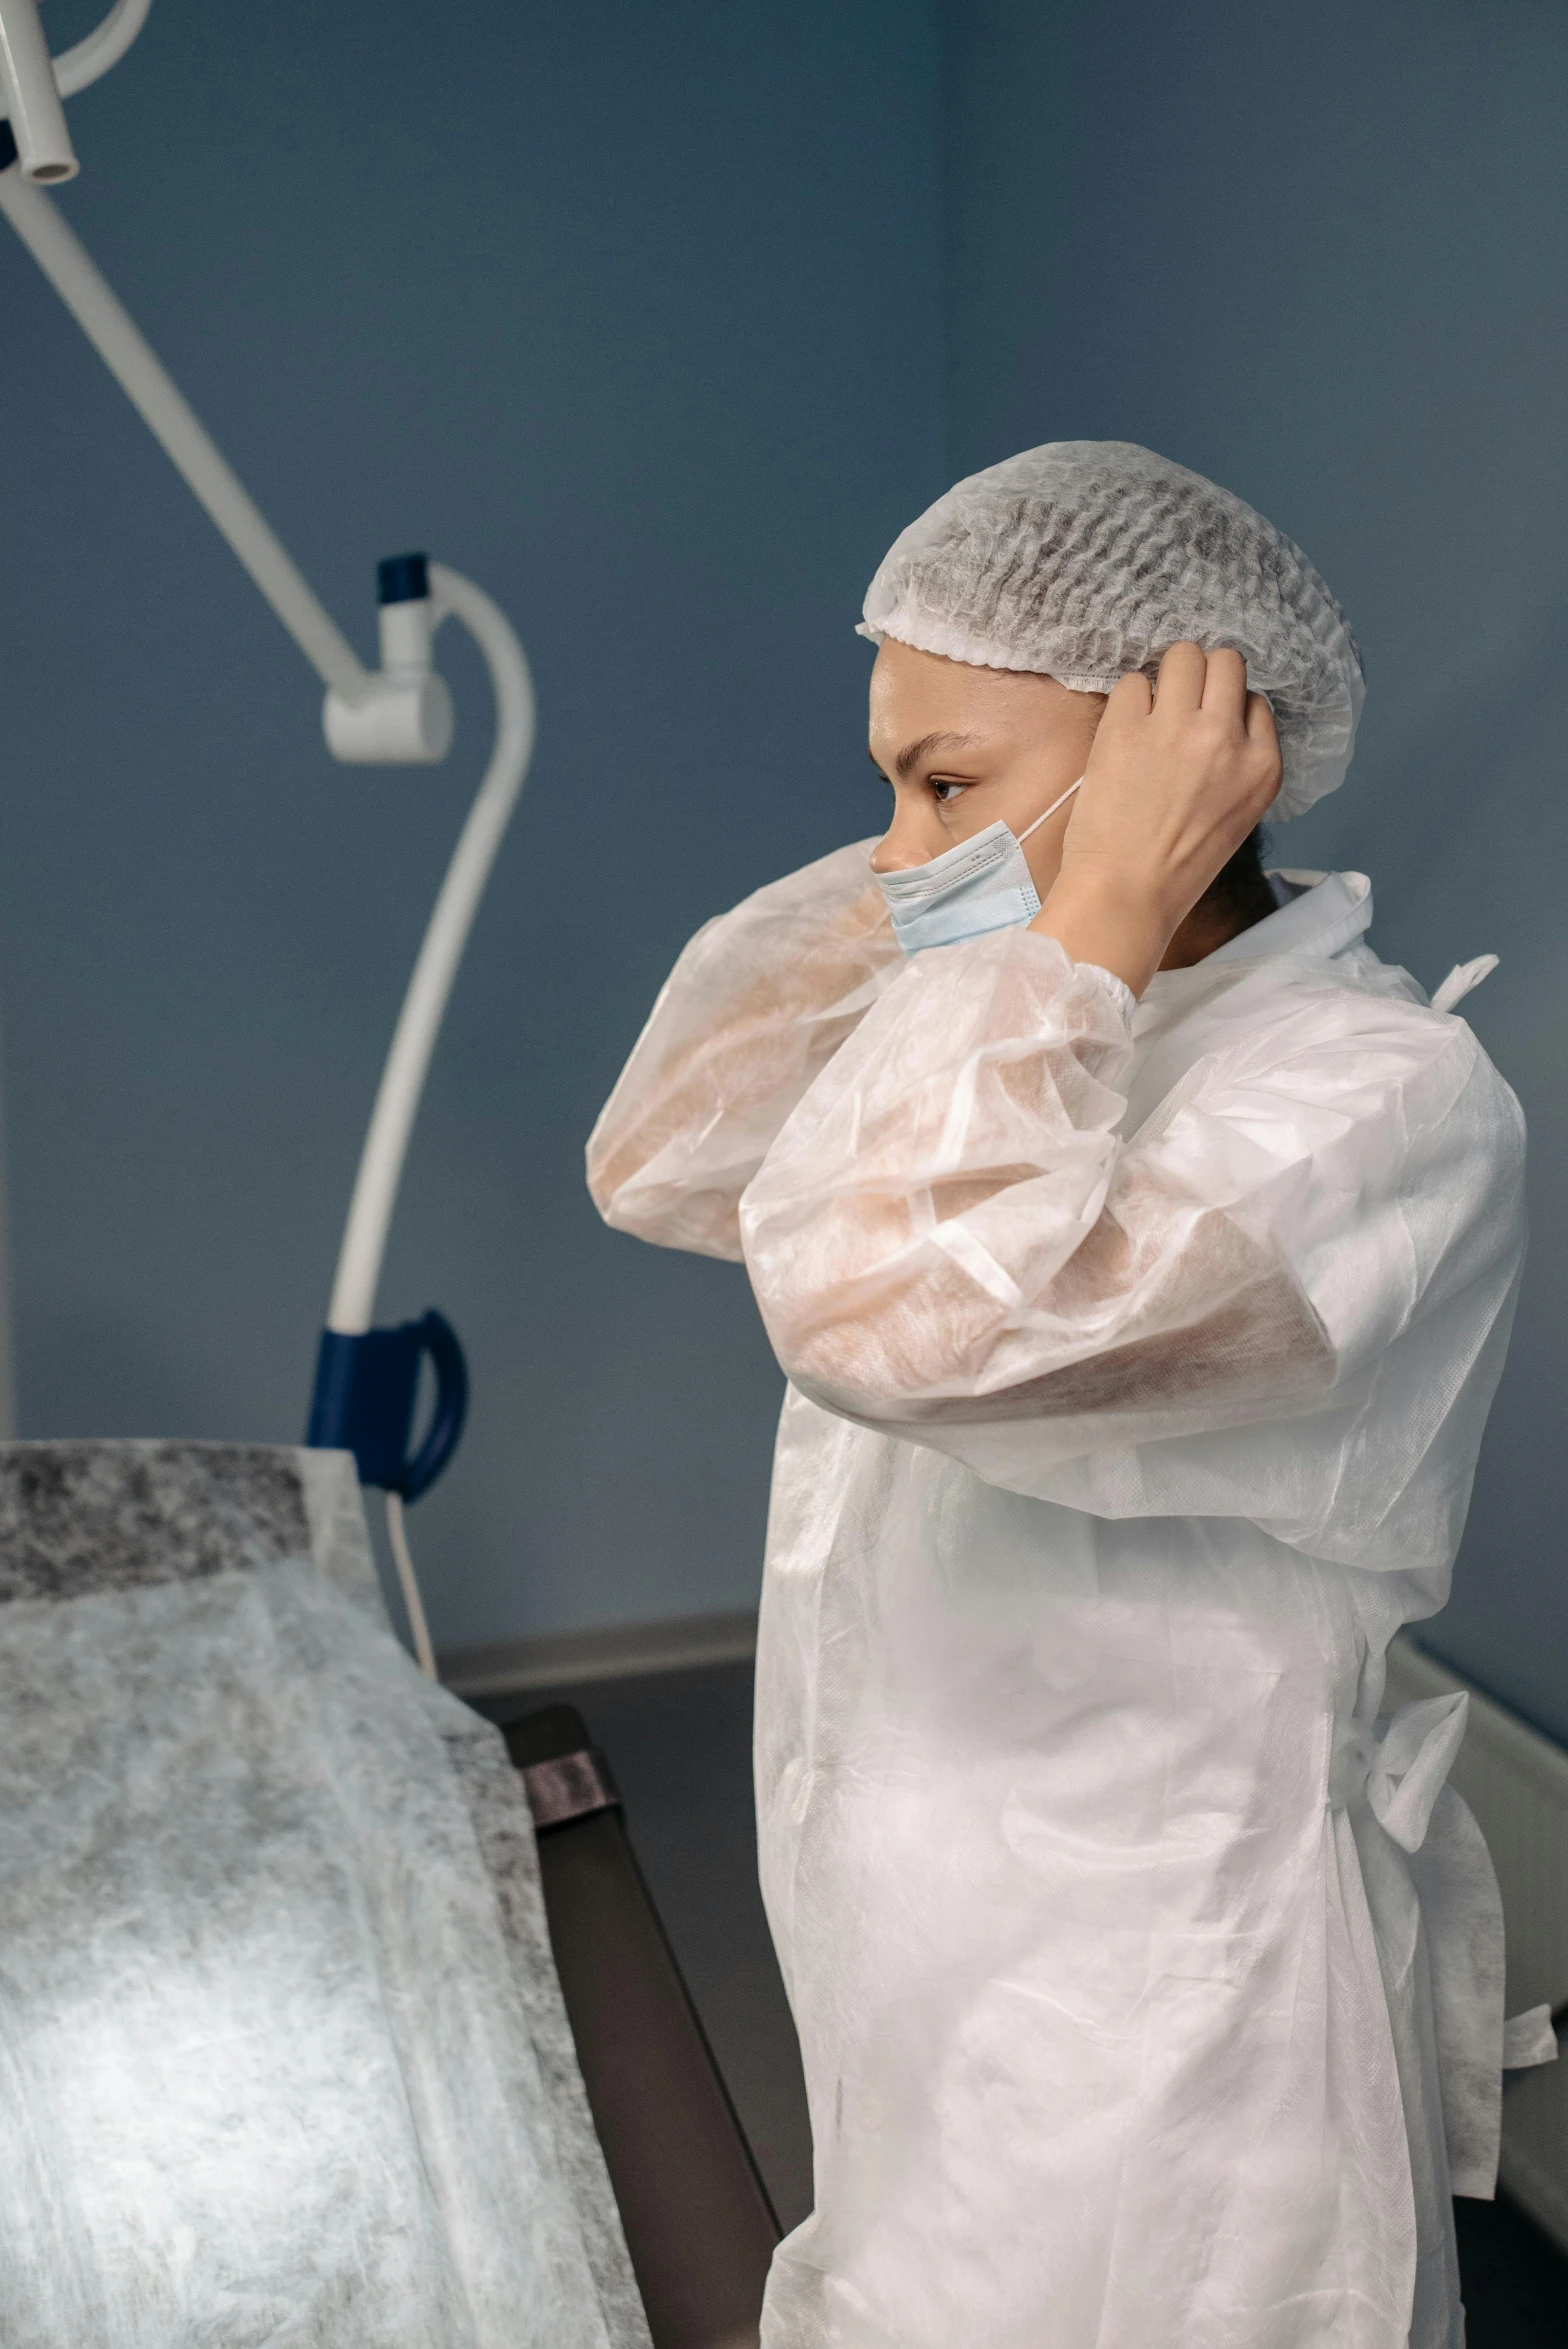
(364, 1401)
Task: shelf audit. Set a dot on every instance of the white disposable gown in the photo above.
(1149, 1985)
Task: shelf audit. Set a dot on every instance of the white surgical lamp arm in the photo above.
(366, 1378)
(398, 714)
(32, 83)
(386, 1144)
(104, 46)
(152, 392)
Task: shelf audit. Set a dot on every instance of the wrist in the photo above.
(1107, 920)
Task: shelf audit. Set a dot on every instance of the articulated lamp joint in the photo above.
(403, 714)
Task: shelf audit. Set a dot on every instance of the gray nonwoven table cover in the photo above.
(283, 2057)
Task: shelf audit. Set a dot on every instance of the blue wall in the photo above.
(660, 320)
(612, 307)
(1321, 254)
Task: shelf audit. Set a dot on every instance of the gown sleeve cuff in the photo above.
(1121, 994)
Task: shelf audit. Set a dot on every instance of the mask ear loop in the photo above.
(1050, 811)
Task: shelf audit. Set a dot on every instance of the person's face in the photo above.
(963, 746)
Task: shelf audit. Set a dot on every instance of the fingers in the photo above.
(1225, 685)
(1236, 725)
(1263, 736)
(1181, 678)
(1130, 697)
(1191, 679)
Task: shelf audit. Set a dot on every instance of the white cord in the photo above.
(397, 1535)
(1050, 811)
(353, 1302)
(103, 47)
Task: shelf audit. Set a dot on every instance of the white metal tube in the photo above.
(27, 85)
(131, 361)
(133, 364)
(104, 46)
(419, 1023)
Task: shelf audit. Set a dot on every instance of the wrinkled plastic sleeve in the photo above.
(753, 1011)
(954, 1240)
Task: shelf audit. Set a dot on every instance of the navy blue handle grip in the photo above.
(364, 1401)
(438, 1339)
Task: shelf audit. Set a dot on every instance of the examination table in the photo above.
(284, 2056)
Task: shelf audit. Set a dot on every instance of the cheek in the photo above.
(1043, 854)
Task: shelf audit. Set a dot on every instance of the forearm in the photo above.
(679, 1140)
(953, 1229)
(756, 1006)
(959, 1149)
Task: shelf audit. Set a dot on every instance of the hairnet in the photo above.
(1086, 559)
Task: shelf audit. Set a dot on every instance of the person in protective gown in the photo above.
(1141, 1252)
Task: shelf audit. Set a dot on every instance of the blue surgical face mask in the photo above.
(982, 884)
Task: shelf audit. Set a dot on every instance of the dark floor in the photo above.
(680, 1746)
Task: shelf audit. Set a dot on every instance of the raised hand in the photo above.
(1176, 780)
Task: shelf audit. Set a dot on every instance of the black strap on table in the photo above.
(569, 1786)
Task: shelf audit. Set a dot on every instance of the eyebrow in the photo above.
(913, 752)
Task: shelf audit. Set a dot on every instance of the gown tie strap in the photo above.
(1397, 1768)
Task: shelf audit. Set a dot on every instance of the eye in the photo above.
(945, 793)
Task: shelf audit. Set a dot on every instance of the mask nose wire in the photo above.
(1050, 811)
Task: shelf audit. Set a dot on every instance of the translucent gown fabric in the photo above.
(1086, 559)
(282, 2056)
(1149, 1984)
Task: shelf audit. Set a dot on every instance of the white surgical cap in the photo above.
(1086, 559)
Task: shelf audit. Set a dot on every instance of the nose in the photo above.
(901, 846)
